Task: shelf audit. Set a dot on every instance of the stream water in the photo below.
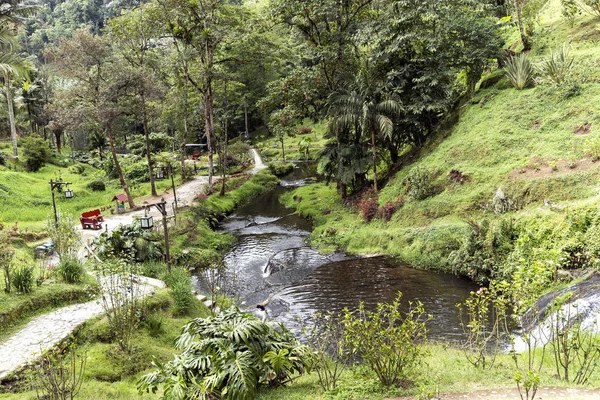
(272, 259)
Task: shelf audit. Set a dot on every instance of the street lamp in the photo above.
(147, 223)
(68, 195)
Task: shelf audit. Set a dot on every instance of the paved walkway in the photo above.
(44, 332)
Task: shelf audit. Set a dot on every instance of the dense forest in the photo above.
(455, 136)
(383, 73)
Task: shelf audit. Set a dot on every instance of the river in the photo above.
(272, 259)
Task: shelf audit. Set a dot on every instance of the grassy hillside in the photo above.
(540, 145)
(26, 197)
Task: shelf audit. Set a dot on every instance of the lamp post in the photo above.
(173, 185)
(147, 223)
(68, 195)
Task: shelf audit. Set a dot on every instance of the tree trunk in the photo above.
(524, 38)
(185, 130)
(246, 119)
(208, 112)
(118, 166)
(57, 135)
(374, 159)
(148, 152)
(11, 114)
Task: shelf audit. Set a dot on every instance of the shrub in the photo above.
(419, 183)
(77, 169)
(558, 66)
(96, 186)
(228, 356)
(280, 168)
(519, 70)
(570, 9)
(2, 159)
(386, 212)
(368, 205)
(179, 281)
(23, 280)
(154, 324)
(59, 374)
(303, 130)
(387, 339)
(36, 153)
(70, 270)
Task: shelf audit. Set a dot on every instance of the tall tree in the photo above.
(133, 33)
(98, 84)
(13, 13)
(365, 108)
(204, 25)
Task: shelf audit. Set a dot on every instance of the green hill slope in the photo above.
(540, 145)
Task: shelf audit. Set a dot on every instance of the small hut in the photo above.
(120, 200)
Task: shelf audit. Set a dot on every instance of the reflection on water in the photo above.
(272, 257)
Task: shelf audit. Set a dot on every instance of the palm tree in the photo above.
(12, 14)
(365, 108)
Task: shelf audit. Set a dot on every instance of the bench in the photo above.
(91, 219)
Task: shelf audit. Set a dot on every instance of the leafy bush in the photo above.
(2, 159)
(179, 281)
(592, 7)
(419, 183)
(558, 66)
(77, 169)
(22, 279)
(519, 70)
(368, 205)
(386, 211)
(280, 168)
(154, 324)
(129, 241)
(70, 270)
(387, 339)
(228, 356)
(570, 9)
(138, 172)
(36, 153)
(96, 186)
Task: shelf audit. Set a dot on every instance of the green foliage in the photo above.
(575, 347)
(64, 234)
(59, 374)
(36, 153)
(331, 353)
(154, 324)
(484, 317)
(419, 183)
(558, 67)
(122, 300)
(519, 70)
(179, 281)
(280, 168)
(96, 186)
(592, 6)
(228, 356)
(570, 10)
(22, 279)
(387, 339)
(70, 270)
(130, 242)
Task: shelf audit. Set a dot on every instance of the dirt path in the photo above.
(544, 393)
(45, 331)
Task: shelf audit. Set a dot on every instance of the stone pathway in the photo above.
(44, 332)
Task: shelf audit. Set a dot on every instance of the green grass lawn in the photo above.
(270, 147)
(27, 199)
